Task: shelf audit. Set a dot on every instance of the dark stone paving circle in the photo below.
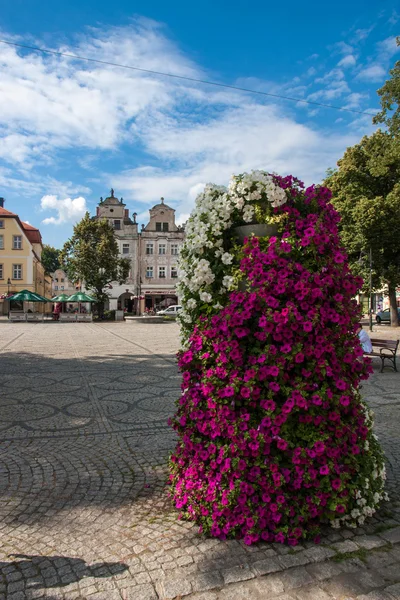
(84, 511)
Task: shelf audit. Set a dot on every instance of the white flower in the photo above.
(191, 303)
(205, 296)
(228, 282)
(227, 258)
(248, 214)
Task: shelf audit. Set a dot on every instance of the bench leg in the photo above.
(392, 359)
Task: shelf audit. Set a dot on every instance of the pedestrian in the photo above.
(364, 339)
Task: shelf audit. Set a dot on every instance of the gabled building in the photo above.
(153, 254)
(160, 242)
(20, 259)
(126, 234)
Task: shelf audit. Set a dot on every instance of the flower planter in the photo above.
(257, 229)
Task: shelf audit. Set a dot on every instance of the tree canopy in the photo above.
(50, 258)
(366, 192)
(91, 255)
(390, 100)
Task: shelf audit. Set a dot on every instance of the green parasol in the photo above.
(27, 296)
(60, 298)
(80, 297)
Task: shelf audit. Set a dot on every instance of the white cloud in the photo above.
(245, 138)
(68, 210)
(372, 73)
(393, 18)
(354, 99)
(362, 34)
(342, 48)
(55, 102)
(388, 47)
(347, 61)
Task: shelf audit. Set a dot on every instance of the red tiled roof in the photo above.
(6, 213)
(32, 233)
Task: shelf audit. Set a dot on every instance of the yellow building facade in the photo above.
(20, 260)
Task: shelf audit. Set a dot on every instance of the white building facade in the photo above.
(160, 242)
(152, 252)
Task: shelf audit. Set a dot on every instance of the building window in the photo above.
(1, 224)
(117, 224)
(158, 226)
(125, 248)
(17, 242)
(149, 272)
(1, 272)
(162, 248)
(62, 280)
(149, 248)
(61, 287)
(161, 272)
(174, 272)
(56, 287)
(174, 249)
(17, 272)
(165, 226)
(1, 242)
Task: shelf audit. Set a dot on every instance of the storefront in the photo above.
(158, 299)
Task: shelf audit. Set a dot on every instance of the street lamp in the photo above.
(360, 261)
(8, 286)
(370, 288)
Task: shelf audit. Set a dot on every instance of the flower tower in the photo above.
(273, 437)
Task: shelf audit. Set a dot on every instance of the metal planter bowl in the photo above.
(257, 229)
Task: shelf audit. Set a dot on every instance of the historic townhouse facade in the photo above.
(20, 260)
(153, 254)
(126, 234)
(160, 242)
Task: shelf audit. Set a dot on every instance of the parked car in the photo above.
(171, 311)
(383, 316)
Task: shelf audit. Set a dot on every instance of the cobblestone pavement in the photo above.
(83, 506)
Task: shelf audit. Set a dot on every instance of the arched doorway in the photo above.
(126, 302)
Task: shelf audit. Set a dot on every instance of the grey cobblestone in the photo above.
(84, 511)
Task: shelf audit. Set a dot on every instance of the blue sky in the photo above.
(70, 130)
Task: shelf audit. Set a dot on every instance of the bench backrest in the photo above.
(392, 344)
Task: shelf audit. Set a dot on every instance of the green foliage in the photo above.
(390, 100)
(92, 256)
(366, 192)
(50, 258)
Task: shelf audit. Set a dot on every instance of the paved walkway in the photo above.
(83, 507)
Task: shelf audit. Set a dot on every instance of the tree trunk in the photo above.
(394, 319)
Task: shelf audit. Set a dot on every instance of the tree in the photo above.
(366, 192)
(390, 97)
(50, 258)
(92, 256)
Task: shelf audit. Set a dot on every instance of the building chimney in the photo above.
(2, 202)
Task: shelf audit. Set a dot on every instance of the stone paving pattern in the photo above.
(84, 511)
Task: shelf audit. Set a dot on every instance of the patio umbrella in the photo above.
(80, 297)
(60, 298)
(27, 296)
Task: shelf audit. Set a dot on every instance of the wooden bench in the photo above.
(386, 350)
